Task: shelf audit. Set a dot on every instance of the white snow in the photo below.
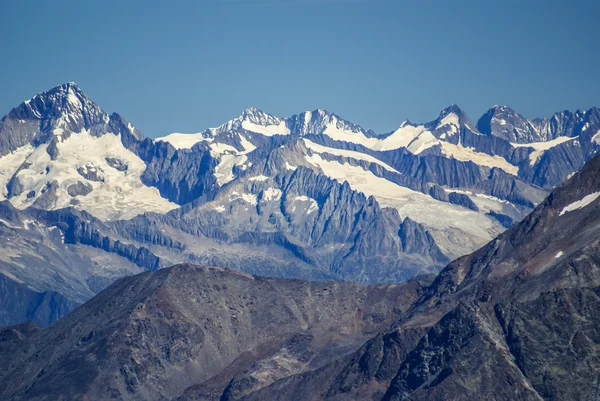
(486, 203)
(228, 158)
(248, 146)
(400, 138)
(347, 153)
(267, 130)
(414, 138)
(219, 208)
(248, 198)
(221, 148)
(288, 166)
(312, 207)
(271, 194)
(307, 118)
(461, 153)
(558, 255)
(9, 164)
(259, 178)
(121, 195)
(596, 137)
(183, 141)
(73, 99)
(541, 147)
(340, 134)
(438, 216)
(224, 170)
(586, 200)
(422, 142)
(451, 119)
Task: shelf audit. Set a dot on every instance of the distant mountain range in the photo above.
(87, 199)
(516, 319)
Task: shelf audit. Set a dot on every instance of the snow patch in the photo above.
(260, 178)
(9, 164)
(400, 138)
(340, 134)
(224, 170)
(558, 255)
(347, 153)
(541, 147)
(424, 141)
(271, 194)
(461, 153)
(580, 203)
(73, 100)
(451, 119)
(312, 207)
(230, 157)
(248, 146)
(120, 195)
(248, 198)
(183, 141)
(438, 216)
(266, 130)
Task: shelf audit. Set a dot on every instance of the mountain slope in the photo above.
(153, 335)
(514, 320)
(310, 196)
(61, 149)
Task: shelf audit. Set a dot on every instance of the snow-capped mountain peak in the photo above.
(451, 120)
(60, 149)
(65, 106)
(52, 115)
(504, 122)
(254, 120)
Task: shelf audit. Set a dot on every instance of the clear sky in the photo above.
(183, 66)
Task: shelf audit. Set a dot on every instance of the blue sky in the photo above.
(182, 66)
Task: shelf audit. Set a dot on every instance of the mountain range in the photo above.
(516, 319)
(87, 199)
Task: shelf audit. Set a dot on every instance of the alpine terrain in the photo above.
(516, 319)
(87, 199)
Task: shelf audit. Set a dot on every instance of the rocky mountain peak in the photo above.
(64, 105)
(258, 116)
(505, 123)
(450, 121)
(50, 115)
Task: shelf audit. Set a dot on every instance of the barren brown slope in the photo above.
(153, 335)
